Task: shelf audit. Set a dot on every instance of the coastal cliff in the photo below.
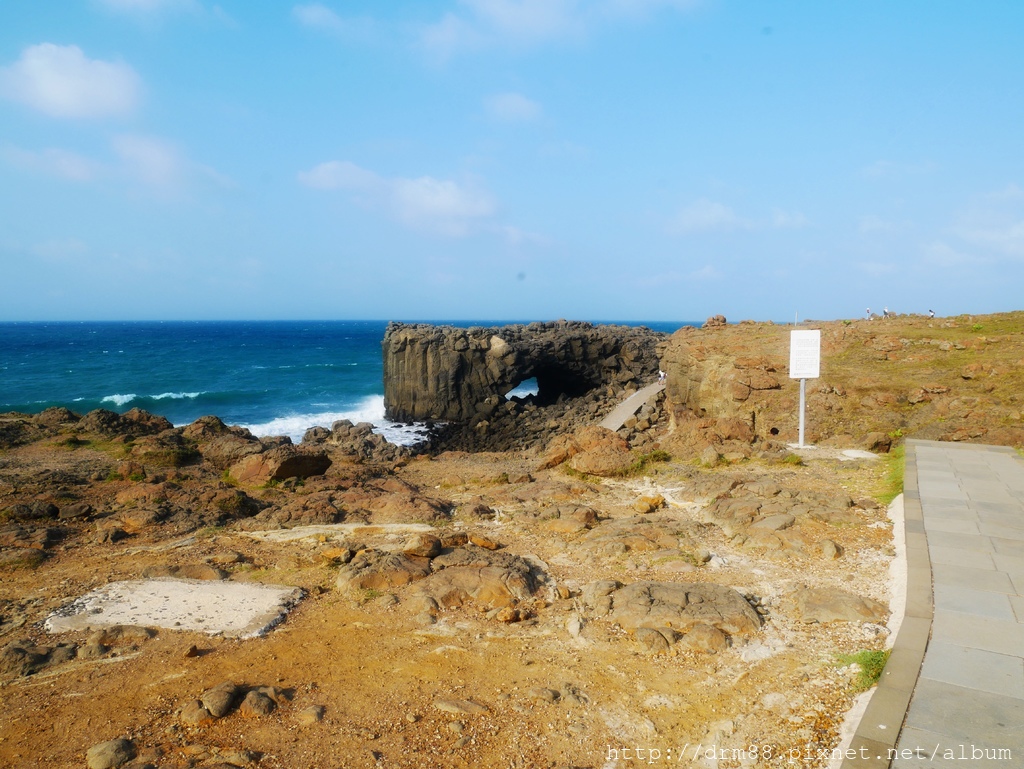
(464, 376)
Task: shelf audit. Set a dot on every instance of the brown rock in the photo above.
(281, 463)
(380, 570)
(825, 605)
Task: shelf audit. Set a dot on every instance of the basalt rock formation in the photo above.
(463, 376)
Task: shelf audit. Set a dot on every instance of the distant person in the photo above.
(885, 312)
(867, 314)
(931, 313)
(661, 376)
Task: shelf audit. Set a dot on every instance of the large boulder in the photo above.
(678, 606)
(220, 445)
(491, 579)
(280, 463)
(380, 570)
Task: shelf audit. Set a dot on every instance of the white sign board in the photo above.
(804, 354)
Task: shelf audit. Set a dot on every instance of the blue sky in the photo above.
(517, 159)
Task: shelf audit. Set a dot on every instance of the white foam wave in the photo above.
(370, 409)
(119, 400)
(175, 396)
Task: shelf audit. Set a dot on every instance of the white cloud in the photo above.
(439, 205)
(54, 162)
(61, 81)
(887, 169)
(788, 220)
(707, 216)
(68, 250)
(321, 18)
(148, 6)
(711, 216)
(154, 162)
(512, 107)
(995, 222)
(944, 255)
(876, 269)
(872, 223)
(520, 23)
(707, 272)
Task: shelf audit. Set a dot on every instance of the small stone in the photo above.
(314, 714)
(412, 718)
(256, 703)
(220, 699)
(456, 727)
(485, 542)
(830, 551)
(543, 694)
(508, 614)
(460, 707)
(423, 545)
(110, 754)
(194, 713)
(334, 556)
(192, 651)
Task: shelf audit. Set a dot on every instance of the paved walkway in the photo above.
(958, 658)
(618, 416)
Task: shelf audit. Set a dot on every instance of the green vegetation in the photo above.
(871, 663)
(793, 459)
(892, 477)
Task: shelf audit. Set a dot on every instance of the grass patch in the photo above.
(892, 477)
(643, 462)
(871, 663)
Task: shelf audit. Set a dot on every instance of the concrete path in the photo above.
(630, 406)
(958, 659)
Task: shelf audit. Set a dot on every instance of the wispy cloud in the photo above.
(148, 6)
(876, 269)
(887, 169)
(512, 108)
(439, 205)
(711, 216)
(53, 161)
(995, 222)
(148, 161)
(941, 254)
(60, 81)
(322, 19)
(707, 216)
(479, 24)
(872, 223)
(152, 161)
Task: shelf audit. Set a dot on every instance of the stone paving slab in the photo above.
(957, 666)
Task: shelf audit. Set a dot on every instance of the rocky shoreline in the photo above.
(538, 592)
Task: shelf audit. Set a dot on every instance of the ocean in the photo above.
(272, 377)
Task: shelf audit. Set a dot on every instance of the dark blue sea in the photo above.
(273, 377)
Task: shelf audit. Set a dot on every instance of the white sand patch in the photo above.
(234, 609)
(331, 530)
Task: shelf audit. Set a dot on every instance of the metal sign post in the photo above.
(804, 364)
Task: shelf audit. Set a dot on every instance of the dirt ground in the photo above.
(559, 688)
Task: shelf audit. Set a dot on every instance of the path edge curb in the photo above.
(874, 740)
